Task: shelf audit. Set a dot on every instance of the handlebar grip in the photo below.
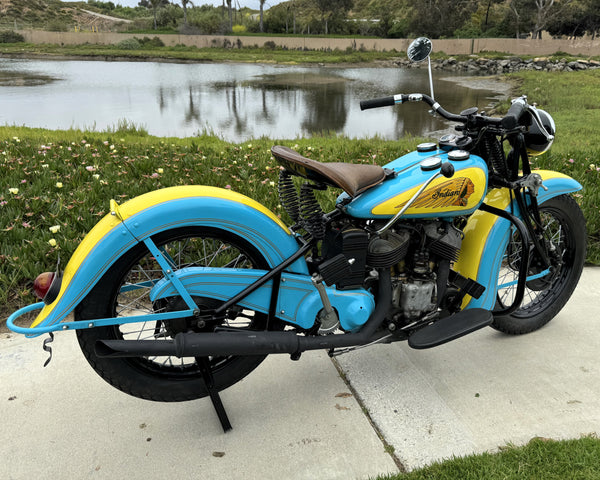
(515, 112)
(377, 102)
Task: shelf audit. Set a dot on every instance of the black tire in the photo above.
(564, 226)
(167, 379)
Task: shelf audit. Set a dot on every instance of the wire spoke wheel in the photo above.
(125, 291)
(565, 238)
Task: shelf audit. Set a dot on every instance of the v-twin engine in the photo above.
(420, 277)
(418, 254)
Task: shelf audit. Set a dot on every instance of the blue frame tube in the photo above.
(80, 325)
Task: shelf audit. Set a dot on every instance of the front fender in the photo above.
(486, 236)
(160, 210)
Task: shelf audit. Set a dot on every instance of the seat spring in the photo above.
(288, 195)
(311, 214)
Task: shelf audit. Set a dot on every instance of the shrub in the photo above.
(129, 44)
(168, 16)
(153, 42)
(11, 37)
(237, 29)
(208, 21)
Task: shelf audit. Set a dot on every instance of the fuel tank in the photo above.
(461, 194)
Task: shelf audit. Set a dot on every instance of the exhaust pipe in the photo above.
(249, 342)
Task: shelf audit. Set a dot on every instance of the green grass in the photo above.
(248, 53)
(540, 459)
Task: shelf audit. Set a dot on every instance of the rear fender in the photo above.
(170, 208)
(486, 236)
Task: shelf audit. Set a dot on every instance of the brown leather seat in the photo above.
(352, 178)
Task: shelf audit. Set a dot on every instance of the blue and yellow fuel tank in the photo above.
(461, 194)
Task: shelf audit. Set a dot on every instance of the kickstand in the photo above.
(204, 365)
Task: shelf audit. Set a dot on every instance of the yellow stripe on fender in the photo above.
(477, 231)
(137, 204)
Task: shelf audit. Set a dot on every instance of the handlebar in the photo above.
(379, 102)
(515, 112)
(509, 122)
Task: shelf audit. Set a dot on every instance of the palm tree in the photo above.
(230, 15)
(184, 4)
(262, 3)
(155, 4)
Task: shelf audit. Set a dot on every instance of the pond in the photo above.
(234, 101)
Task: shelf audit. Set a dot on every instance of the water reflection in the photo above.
(235, 101)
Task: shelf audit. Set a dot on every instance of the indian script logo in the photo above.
(453, 193)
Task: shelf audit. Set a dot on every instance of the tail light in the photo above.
(47, 285)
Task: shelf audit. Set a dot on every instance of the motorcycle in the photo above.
(182, 292)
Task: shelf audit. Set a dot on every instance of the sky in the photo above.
(255, 4)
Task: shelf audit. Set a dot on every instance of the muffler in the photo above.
(250, 342)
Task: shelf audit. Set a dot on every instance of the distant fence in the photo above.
(451, 47)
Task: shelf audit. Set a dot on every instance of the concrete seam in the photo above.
(386, 446)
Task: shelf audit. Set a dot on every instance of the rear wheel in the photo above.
(565, 237)
(123, 291)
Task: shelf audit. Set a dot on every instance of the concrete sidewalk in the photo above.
(486, 389)
(291, 420)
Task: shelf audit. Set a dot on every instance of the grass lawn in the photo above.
(540, 459)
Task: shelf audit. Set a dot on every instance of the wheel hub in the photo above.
(194, 323)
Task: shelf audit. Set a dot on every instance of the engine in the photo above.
(420, 280)
(419, 254)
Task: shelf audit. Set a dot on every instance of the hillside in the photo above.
(51, 15)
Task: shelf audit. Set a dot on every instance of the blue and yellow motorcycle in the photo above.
(182, 292)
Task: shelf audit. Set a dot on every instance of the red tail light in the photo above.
(44, 283)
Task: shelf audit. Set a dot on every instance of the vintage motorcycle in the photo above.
(182, 292)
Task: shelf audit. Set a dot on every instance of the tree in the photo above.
(154, 5)
(441, 18)
(184, 4)
(262, 4)
(576, 18)
(592, 17)
(572, 22)
(542, 11)
(521, 10)
(230, 15)
(208, 20)
(327, 7)
(545, 12)
(382, 17)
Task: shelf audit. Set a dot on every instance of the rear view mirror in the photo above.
(419, 49)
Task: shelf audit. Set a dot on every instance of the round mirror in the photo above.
(419, 49)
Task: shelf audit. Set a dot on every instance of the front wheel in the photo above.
(565, 236)
(124, 291)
